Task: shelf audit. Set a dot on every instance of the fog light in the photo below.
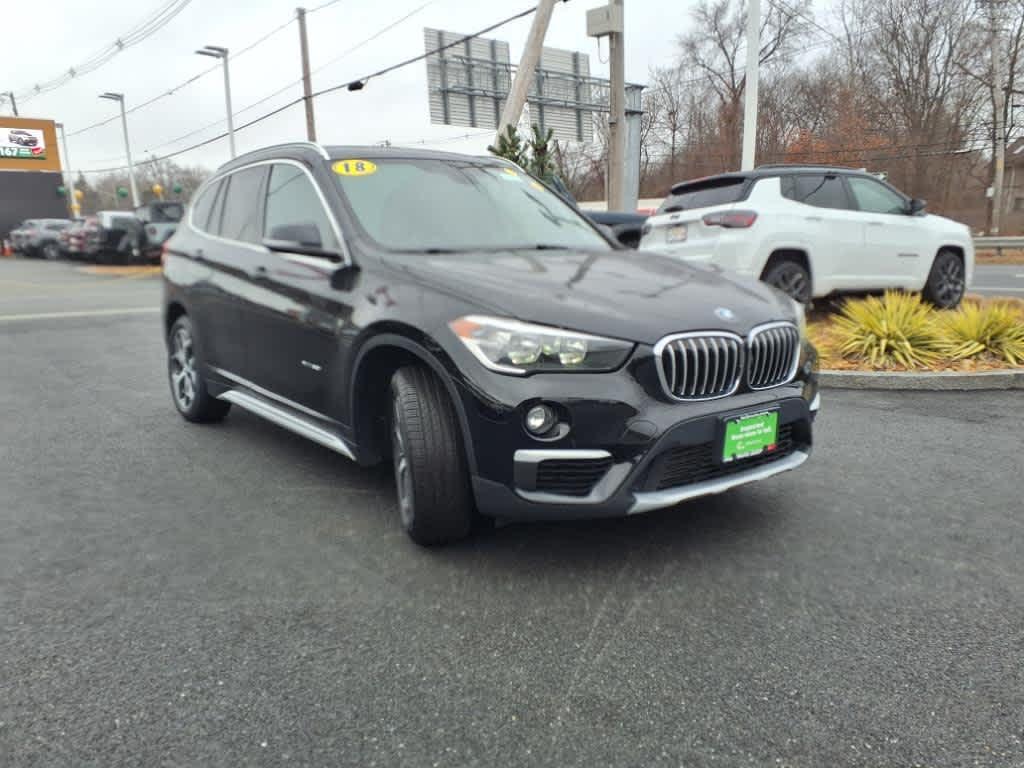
(540, 419)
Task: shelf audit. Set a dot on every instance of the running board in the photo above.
(288, 419)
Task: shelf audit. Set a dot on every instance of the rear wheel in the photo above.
(431, 476)
(51, 251)
(188, 387)
(791, 277)
(946, 282)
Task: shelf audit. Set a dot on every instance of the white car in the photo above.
(813, 231)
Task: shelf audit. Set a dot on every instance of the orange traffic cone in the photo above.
(7, 249)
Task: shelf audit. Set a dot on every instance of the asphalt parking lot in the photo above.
(179, 595)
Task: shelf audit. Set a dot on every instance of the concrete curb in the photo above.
(937, 382)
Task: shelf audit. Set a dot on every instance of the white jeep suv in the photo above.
(813, 231)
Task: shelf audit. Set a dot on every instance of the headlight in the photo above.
(509, 346)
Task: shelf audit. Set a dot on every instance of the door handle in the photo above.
(876, 223)
(259, 271)
(198, 254)
(813, 218)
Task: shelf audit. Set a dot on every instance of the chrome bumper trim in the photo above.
(645, 502)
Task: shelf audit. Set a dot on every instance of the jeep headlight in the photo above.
(510, 346)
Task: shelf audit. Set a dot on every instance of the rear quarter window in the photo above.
(704, 194)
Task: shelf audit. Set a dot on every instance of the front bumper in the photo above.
(629, 450)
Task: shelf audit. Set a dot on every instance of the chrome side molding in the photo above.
(288, 419)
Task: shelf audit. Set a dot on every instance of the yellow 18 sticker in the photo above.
(354, 168)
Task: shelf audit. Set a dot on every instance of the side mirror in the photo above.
(303, 239)
(915, 206)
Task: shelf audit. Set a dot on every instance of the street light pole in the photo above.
(119, 98)
(750, 96)
(69, 183)
(218, 52)
(14, 104)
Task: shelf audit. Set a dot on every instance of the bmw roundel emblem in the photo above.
(723, 313)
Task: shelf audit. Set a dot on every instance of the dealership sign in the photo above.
(22, 143)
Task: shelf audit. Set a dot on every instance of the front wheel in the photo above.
(431, 477)
(51, 251)
(947, 281)
(188, 387)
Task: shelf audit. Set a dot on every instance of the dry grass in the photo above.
(829, 338)
(1006, 257)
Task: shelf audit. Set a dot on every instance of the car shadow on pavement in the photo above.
(705, 525)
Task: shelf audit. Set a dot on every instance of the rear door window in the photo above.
(241, 217)
(817, 189)
(703, 194)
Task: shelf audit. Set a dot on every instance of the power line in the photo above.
(292, 84)
(174, 89)
(355, 84)
(134, 36)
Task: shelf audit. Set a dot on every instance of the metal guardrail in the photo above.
(997, 244)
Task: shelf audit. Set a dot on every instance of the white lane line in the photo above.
(82, 313)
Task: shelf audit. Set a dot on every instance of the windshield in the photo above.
(452, 205)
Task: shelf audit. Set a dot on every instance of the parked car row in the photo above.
(108, 237)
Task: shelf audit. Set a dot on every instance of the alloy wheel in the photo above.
(183, 369)
(403, 472)
(949, 288)
(792, 280)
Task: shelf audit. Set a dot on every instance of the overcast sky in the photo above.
(45, 37)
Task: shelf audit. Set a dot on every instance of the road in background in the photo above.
(177, 594)
(999, 280)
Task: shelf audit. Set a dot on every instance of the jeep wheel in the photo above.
(790, 277)
(946, 282)
(188, 388)
(431, 477)
(51, 251)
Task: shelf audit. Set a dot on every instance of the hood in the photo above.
(948, 225)
(634, 295)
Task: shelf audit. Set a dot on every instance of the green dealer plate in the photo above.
(747, 436)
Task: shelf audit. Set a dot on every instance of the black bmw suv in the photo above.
(453, 315)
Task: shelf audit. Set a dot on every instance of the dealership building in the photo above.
(30, 173)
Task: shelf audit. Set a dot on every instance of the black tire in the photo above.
(188, 387)
(51, 251)
(431, 477)
(946, 283)
(791, 277)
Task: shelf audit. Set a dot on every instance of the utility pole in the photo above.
(307, 85)
(527, 66)
(218, 52)
(750, 87)
(999, 102)
(69, 183)
(607, 21)
(617, 117)
(119, 98)
(14, 104)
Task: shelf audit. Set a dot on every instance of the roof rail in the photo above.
(318, 147)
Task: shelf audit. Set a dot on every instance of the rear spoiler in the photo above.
(685, 186)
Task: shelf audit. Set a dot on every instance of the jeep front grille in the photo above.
(773, 354)
(700, 366)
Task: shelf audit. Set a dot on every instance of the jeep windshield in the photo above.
(445, 205)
